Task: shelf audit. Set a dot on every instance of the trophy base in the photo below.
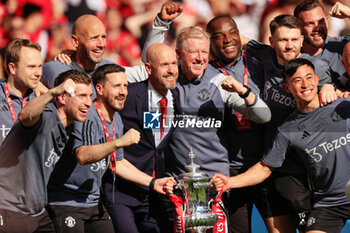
(200, 222)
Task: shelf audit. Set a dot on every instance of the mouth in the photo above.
(169, 78)
(307, 92)
(229, 49)
(198, 65)
(317, 36)
(120, 98)
(98, 52)
(84, 111)
(290, 53)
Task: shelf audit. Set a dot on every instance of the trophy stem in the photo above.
(199, 230)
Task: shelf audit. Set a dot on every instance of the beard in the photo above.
(316, 45)
(85, 53)
(170, 86)
(115, 106)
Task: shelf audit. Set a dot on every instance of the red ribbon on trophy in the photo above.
(219, 209)
(179, 214)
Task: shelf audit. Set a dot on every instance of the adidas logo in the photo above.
(4, 108)
(305, 135)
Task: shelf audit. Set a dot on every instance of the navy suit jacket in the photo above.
(144, 155)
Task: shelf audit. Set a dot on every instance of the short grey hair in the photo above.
(190, 32)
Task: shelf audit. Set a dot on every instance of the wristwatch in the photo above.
(151, 184)
(245, 95)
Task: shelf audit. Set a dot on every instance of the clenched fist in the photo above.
(170, 10)
(129, 138)
(68, 86)
(232, 85)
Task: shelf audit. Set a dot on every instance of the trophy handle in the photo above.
(211, 201)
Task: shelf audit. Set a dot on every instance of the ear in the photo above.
(12, 68)
(178, 54)
(317, 79)
(75, 41)
(301, 40)
(148, 68)
(99, 89)
(271, 41)
(61, 99)
(286, 87)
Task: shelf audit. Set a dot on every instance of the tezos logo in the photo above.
(69, 221)
(151, 120)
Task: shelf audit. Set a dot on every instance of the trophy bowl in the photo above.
(196, 186)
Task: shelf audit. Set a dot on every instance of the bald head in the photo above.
(155, 50)
(84, 22)
(161, 67)
(89, 39)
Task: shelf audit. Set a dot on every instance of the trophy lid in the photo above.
(192, 169)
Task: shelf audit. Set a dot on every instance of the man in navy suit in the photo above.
(135, 208)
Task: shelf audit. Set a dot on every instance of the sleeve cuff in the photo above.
(158, 22)
(255, 101)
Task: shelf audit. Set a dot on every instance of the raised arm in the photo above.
(31, 113)
(169, 11)
(340, 11)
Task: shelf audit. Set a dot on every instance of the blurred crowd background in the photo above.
(48, 22)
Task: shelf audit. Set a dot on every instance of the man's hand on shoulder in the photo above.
(65, 56)
(327, 94)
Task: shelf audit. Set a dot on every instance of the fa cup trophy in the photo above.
(198, 215)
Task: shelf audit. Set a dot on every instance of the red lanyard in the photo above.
(9, 101)
(242, 122)
(113, 155)
(245, 74)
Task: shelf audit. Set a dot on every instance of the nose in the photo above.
(289, 44)
(304, 83)
(123, 90)
(199, 56)
(88, 101)
(316, 26)
(38, 71)
(171, 69)
(101, 42)
(227, 38)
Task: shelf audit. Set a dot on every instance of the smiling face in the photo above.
(78, 106)
(315, 25)
(225, 40)
(113, 90)
(194, 57)
(162, 67)
(287, 43)
(90, 41)
(303, 85)
(28, 70)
